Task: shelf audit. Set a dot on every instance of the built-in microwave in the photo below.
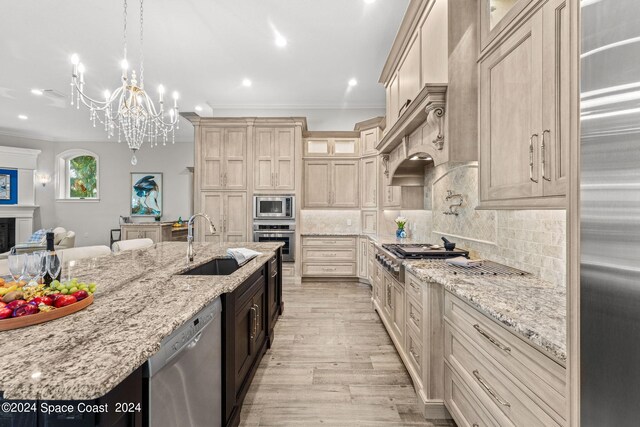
(274, 207)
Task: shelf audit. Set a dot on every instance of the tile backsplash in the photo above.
(330, 221)
(531, 240)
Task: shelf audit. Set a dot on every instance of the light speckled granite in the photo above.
(139, 301)
(376, 238)
(526, 305)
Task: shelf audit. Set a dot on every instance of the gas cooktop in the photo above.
(423, 251)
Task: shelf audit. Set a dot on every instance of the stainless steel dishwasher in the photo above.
(185, 375)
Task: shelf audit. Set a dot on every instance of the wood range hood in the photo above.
(414, 140)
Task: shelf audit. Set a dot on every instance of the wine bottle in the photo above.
(51, 252)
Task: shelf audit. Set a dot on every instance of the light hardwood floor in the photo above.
(332, 363)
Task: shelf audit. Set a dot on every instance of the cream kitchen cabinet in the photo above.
(331, 146)
(412, 313)
(369, 139)
(274, 164)
(369, 182)
(158, 232)
(524, 114)
(330, 256)
(369, 221)
(228, 211)
(331, 184)
(409, 77)
(419, 56)
(363, 258)
(511, 381)
(393, 102)
(222, 156)
(392, 196)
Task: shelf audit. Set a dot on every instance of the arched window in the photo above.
(77, 174)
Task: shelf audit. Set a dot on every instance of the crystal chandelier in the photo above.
(128, 110)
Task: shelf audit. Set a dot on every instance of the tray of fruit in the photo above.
(22, 305)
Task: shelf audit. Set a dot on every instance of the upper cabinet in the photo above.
(223, 153)
(430, 78)
(418, 57)
(274, 150)
(497, 15)
(369, 139)
(331, 146)
(525, 113)
(331, 183)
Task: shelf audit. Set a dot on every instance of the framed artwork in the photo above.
(146, 194)
(8, 187)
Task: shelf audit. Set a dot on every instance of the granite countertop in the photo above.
(147, 223)
(526, 305)
(376, 238)
(138, 302)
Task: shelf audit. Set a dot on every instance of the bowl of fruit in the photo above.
(22, 305)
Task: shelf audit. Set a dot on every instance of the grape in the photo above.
(65, 291)
(72, 290)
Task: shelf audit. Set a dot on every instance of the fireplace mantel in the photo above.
(25, 160)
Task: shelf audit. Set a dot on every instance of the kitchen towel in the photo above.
(242, 255)
(464, 262)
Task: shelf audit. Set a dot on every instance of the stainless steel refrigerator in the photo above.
(610, 213)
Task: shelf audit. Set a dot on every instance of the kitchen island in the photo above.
(141, 298)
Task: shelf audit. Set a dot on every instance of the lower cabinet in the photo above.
(411, 311)
(329, 256)
(160, 232)
(494, 378)
(248, 317)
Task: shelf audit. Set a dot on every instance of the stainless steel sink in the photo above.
(216, 267)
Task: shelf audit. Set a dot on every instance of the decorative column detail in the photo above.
(438, 114)
(385, 163)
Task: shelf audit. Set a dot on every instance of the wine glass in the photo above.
(16, 265)
(54, 264)
(33, 266)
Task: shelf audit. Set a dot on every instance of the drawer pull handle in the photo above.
(490, 390)
(328, 269)
(491, 339)
(475, 425)
(328, 255)
(415, 319)
(254, 319)
(413, 285)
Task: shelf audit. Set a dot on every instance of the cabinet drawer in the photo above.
(288, 269)
(333, 269)
(414, 316)
(541, 376)
(329, 241)
(414, 288)
(501, 396)
(325, 255)
(414, 351)
(464, 407)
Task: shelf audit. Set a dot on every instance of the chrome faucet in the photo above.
(212, 229)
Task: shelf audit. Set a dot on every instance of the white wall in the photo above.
(92, 220)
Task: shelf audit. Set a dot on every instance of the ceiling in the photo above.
(201, 48)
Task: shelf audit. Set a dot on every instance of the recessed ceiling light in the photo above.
(369, 1)
(246, 83)
(280, 40)
(22, 117)
(36, 91)
(198, 108)
(353, 82)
